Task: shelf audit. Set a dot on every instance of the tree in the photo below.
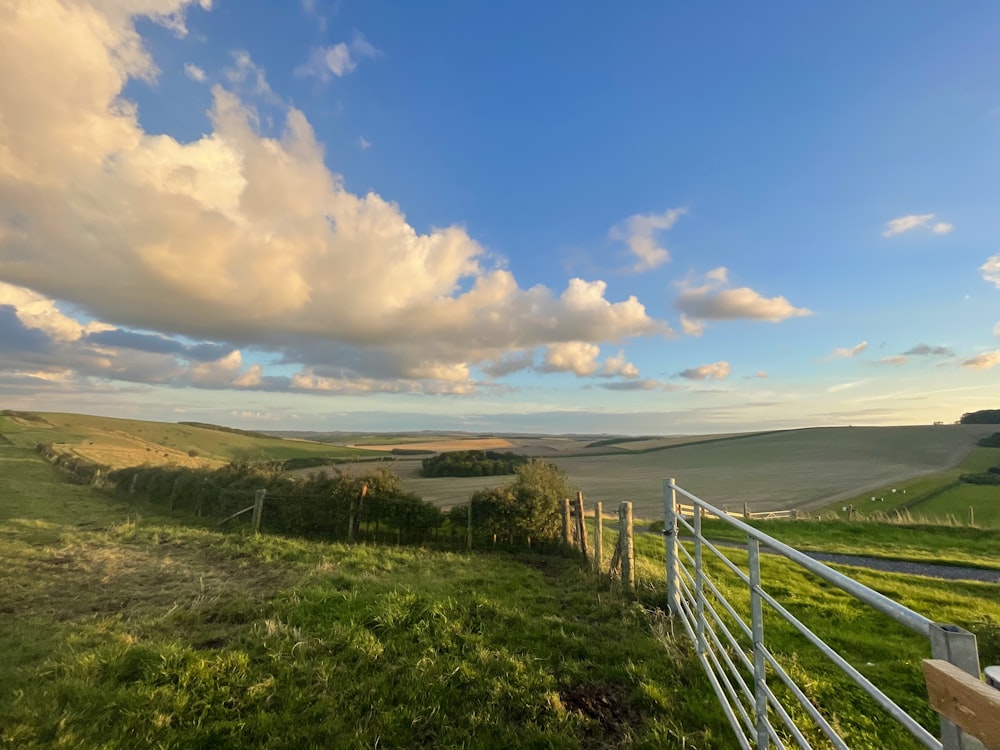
(985, 416)
(539, 491)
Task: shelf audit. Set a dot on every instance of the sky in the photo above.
(562, 217)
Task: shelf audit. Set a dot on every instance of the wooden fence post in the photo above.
(746, 512)
(567, 529)
(581, 525)
(598, 536)
(628, 545)
(258, 509)
(972, 516)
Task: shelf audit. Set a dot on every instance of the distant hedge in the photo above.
(993, 441)
(319, 505)
(472, 464)
(987, 477)
(984, 416)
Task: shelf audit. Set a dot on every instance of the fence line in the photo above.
(758, 717)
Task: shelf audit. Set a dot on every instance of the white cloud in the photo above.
(845, 386)
(996, 329)
(915, 221)
(363, 143)
(846, 353)
(617, 366)
(714, 371)
(692, 327)
(237, 236)
(578, 357)
(195, 73)
(338, 59)
(898, 359)
(712, 301)
(991, 270)
(639, 233)
(983, 361)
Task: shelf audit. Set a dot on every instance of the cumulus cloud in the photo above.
(898, 359)
(692, 327)
(983, 361)
(578, 357)
(915, 221)
(337, 60)
(238, 239)
(925, 350)
(713, 299)
(846, 352)
(617, 366)
(996, 329)
(714, 371)
(639, 233)
(991, 270)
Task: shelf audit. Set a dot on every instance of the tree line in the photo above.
(472, 463)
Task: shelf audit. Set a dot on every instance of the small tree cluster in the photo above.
(528, 509)
(471, 464)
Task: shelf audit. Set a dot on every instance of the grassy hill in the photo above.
(794, 468)
(120, 631)
(129, 442)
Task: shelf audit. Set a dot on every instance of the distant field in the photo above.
(801, 468)
(459, 444)
(129, 442)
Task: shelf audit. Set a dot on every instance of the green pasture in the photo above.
(122, 629)
(78, 429)
(938, 497)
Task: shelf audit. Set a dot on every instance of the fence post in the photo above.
(957, 646)
(628, 545)
(746, 512)
(972, 516)
(581, 525)
(598, 536)
(567, 529)
(757, 632)
(258, 509)
(699, 583)
(670, 544)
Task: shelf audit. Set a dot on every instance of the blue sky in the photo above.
(563, 217)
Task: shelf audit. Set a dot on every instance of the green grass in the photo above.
(885, 652)
(92, 432)
(120, 631)
(936, 498)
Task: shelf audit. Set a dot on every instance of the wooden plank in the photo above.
(965, 700)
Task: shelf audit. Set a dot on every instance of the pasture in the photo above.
(128, 442)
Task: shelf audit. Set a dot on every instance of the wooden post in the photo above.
(567, 528)
(258, 509)
(628, 545)
(131, 487)
(746, 512)
(972, 516)
(361, 510)
(967, 701)
(581, 525)
(598, 537)
(850, 512)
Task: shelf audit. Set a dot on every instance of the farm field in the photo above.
(937, 497)
(796, 468)
(126, 442)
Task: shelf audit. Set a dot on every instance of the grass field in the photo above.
(127, 442)
(938, 497)
(120, 631)
(795, 468)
